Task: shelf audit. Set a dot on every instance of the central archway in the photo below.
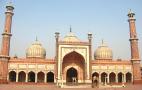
(73, 66)
(71, 73)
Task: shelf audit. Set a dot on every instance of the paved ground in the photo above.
(53, 87)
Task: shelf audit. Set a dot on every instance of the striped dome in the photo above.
(103, 52)
(70, 37)
(36, 51)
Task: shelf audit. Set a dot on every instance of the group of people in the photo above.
(74, 80)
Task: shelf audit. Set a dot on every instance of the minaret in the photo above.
(56, 57)
(4, 56)
(90, 54)
(7, 30)
(135, 59)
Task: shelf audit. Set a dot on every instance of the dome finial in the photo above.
(102, 41)
(10, 3)
(15, 56)
(36, 38)
(130, 11)
(70, 29)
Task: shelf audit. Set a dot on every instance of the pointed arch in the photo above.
(120, 77)
(112, 77)
(103, 77)
(69, 50)
(50, 77)
(75, 60)
(21, 76)
(12, 76)
(31, 76)
(40, 77)
(95, 74)
(95, 78)
(73, 55)
(128, 77)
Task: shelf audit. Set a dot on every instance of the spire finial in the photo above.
(102, 41)
(10, 3)
(36, 38)
(15, 56)
(130, 11)
(70, 29)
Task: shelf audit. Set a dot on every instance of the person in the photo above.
(94, 82)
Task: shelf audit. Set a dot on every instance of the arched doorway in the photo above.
(112, 77)
(95, 79)
(128, 77)
(40, 77)
(50, 77)
(71, 73)
(73, 62)
(12, 76)
(22, 76)
(31, 77)
(120, 77)
(104, 77)
(95, 74)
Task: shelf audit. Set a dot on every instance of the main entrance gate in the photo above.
(73, 67)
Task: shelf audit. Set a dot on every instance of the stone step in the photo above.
(76, 86)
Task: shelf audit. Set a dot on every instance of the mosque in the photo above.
(73, 60)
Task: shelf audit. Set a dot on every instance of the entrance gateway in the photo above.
(73, 58)
(73, 67)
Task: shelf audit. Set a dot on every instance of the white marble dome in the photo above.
(71, 37)
(103, 52)
(36, 51)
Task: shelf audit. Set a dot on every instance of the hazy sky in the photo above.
(105, 19)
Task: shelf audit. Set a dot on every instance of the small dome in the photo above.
(103, 52)
(71, 37)
(36, 51)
